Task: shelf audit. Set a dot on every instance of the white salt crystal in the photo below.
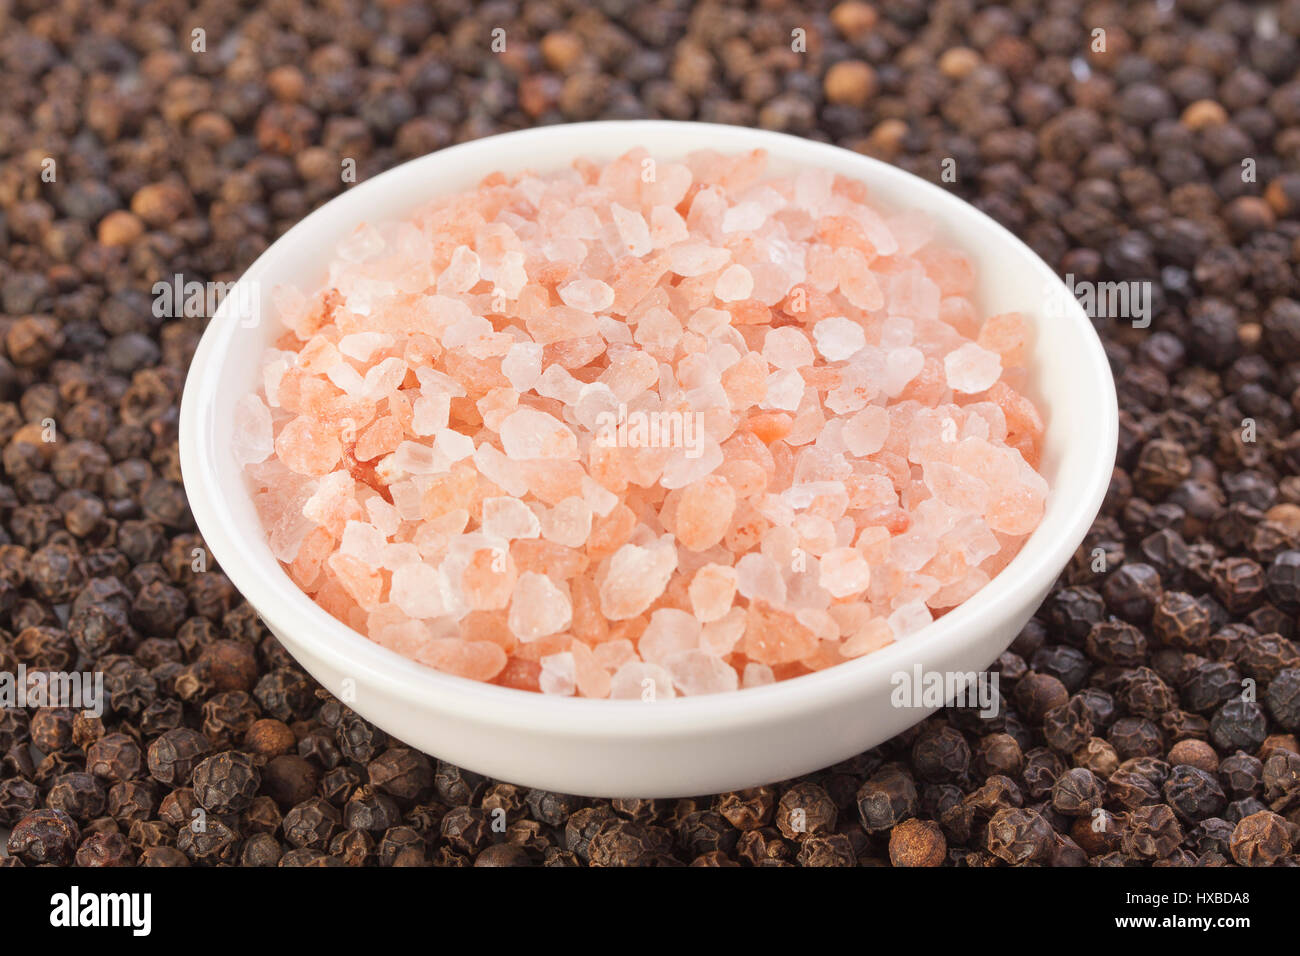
(253, 437)
(537, 608)
(909, 618)
(363, 243)
(638, 680)
(430, 413)
(509, 518)
(416, 459)
(418, 589)
(500, 470)
(669, 632)
(667, 227)
(347, 378)
(866, 432)
(693, 258)
(759, 578)
(453, 445)
(744, 217)
(838, 338)
(632, 230)
(360, 345)
(568, 523)
(383, 516)
(462, 272)
(522, 365)
(697, 672)
(557, 383)
(785, 390)
(971, 368)
(364, 542)
(528, 433)
(589, 295)
(901, 366)
(557, 676)
(384, 378)
(787, 348)
(757, 675)
(734, 283)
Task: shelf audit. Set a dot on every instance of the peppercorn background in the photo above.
(1126, 735)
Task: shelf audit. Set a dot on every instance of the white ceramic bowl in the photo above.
(680, 746)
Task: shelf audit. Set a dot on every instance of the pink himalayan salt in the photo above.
(859, 457)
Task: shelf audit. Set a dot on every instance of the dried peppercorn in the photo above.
(1077, 792)
(1261, 839)
(289, 779)
(917, 843)
(44, 836)
(260, 849)
(173, 756)
(311, 824)
(1194, 794)
(1019, 836)
(886, 799)
(1151, 832)
(1239, 724)
(747, 809)
(226, 782)
(402, 773)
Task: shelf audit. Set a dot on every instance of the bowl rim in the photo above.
(286, 608)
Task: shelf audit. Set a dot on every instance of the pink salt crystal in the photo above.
(417, 589)
(696, 672)
(462, 272)
(558, 675)
(720, 637)
(527, 433)
(589, 675)
(697, 258)
(734, 283)
(704, 512)
(667, 227)
(538, 608)
(972, 369)
(612, 655)
(908, 619)
(856, 281)
(757, 675)
(475, 660)
(712, 590)
(253, 440)
(842, 572)
(308, 446)
(589, 295)
(865, 433)
(638, 680)
(872, 637)
(634, 578)
(670, 632)
(787, 348)
(632, 230)
(568, 523)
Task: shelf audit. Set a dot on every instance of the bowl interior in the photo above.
(1071, 379)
